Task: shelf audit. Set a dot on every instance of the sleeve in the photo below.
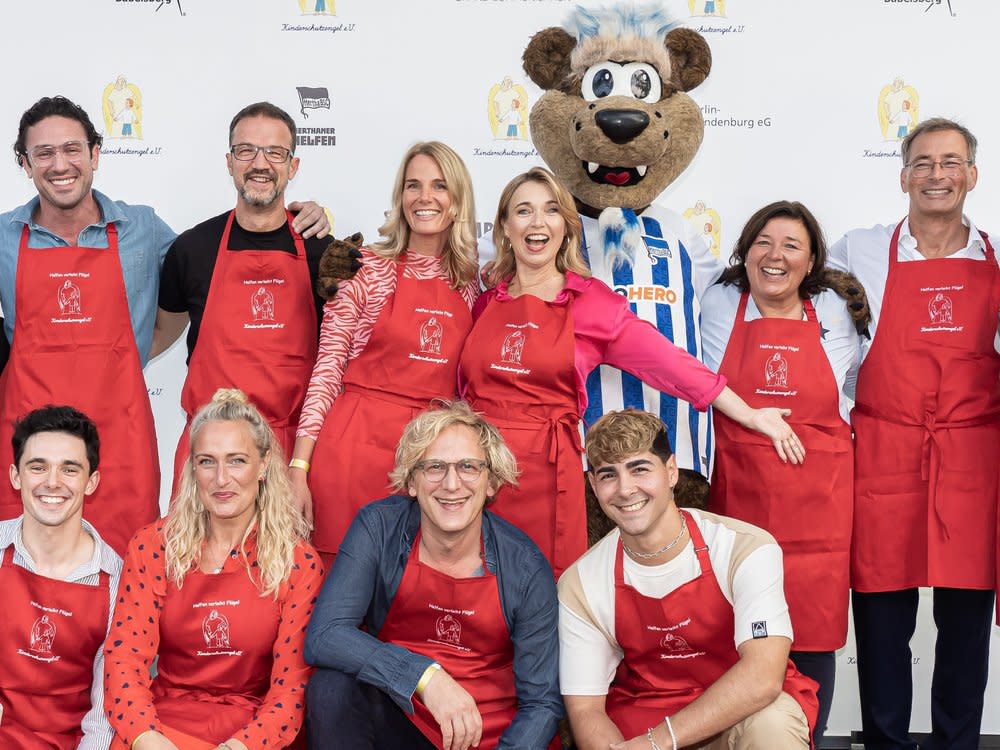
(164, 235)
(97, 731)
(171, 296)
(707, 268)
(838, 255)
(535, 637)
(635, 346)
(587, 659)
(334, 639)
(718, 316)
(279, 718)
(340, 327)
(759, 595)
(134, 638)
(841, 343)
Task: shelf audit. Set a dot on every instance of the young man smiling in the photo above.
(673, 629)
(59, 582)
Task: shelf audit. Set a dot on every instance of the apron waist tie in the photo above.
(930, 459)
(393, 398)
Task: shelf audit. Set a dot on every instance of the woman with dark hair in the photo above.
(783, 329)
(537, 336)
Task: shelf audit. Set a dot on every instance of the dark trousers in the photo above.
(884, 623)
(342, 712)
(822, 667)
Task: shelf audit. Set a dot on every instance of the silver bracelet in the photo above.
(652, 742)
(670, 728)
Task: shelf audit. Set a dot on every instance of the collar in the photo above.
(909, 243)
(103, 559)
(110, 212)
(413, 524)
(575, 284)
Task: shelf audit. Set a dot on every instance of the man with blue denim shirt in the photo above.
(460, 641)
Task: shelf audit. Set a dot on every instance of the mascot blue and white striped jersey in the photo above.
(661, 266)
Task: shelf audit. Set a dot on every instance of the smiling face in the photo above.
(426, 203)
(64, 182)
(637, 493)
(534, 226)
(227, 469)
(941, 193)
(452, 506)
(259, 182)
(778, 261)
(53, 478)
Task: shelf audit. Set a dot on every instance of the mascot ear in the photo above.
(546, 59)
(690, 57)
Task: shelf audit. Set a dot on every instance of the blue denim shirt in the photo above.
(143, 239)
(365, 578)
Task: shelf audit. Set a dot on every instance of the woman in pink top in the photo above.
(389, 343)
(536, 337)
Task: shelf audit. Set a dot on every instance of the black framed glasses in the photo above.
(248, 152)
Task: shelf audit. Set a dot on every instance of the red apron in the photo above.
(258, 334)
(677, 646)
(518, 364)
(73, 344)
(927, 429)
(459, 623)
(216, 640)
(49, 635)
(807, 507)
(410, 359)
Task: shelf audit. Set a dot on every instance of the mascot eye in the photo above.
(644, 81)
(599, 80)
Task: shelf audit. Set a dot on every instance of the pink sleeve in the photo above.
(608, 332)
(348, 321)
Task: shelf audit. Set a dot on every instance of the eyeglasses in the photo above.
(468, 469)
(74, 151)
(248, 152)
(949, 167)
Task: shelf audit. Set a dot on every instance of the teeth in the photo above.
(592, 166)
(426, 212)
(633, 506)
(641, 169)
(537, 238)
(773, 271)
(63, 181)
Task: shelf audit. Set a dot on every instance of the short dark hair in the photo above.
(52, 106)
(264, 109)
(812, 284)
(52, 418)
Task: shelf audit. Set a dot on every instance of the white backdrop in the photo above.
(791, 106)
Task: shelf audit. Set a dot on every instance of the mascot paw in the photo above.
(340, 261)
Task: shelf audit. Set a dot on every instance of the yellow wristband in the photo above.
(299, 463)
(425, 678)
(140, 736)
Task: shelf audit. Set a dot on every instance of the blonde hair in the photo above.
(460, 256)
(569, 257)
(278, 522)
(425, 428)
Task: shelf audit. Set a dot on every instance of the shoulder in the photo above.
(382, 516)
(148, 544)
(593, 294)
(729, 538)
(110, 561)
(9, 531)
(832, 308)
(593, 567)
(869, 238)
(720, 300)
(195, 238)
(509, 539)
(306, 563)
(132, 212)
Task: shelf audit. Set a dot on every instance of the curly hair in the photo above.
(278, 523)
(460, 255)
(425, 428)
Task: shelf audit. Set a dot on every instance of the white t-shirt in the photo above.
(747, 564)
(840, 339)
(865, 253)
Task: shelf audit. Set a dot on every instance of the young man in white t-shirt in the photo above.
(674, 629)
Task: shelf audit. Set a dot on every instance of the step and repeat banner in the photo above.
(805, 101)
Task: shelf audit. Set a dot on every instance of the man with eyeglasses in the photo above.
(246, 281)
(460, 645)
(88, 354)
(927, 445)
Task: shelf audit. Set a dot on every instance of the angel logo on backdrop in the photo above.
(317, 7)
(124, 120)
(706, 223)
(898, 109)
(716, 8)
(507, 107)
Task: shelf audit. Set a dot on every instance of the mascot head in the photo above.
(614, 123)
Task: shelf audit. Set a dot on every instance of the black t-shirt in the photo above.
(190, 262)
